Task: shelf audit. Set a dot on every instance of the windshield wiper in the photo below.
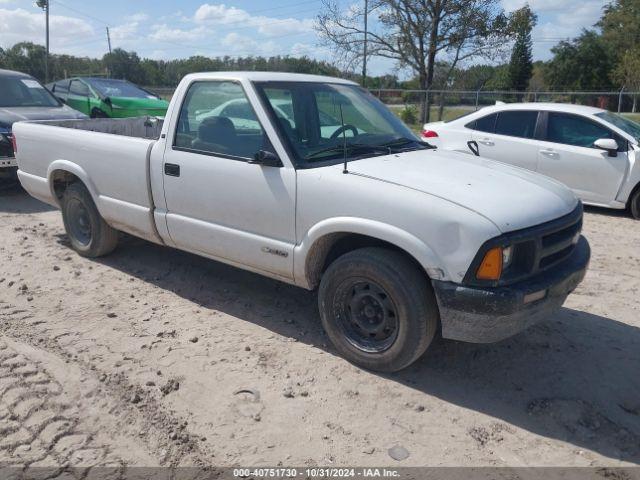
(351, 147)
(402, 141)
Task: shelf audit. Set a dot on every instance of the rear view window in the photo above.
(517, 124)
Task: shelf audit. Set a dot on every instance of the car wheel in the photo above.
(634, 204)
(378, 309)
(88, 233)
(97, 113)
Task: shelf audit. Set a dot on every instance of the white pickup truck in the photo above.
(312, 181)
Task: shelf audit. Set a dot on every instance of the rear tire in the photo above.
(378, 309)
(634, 204)
(88, 233)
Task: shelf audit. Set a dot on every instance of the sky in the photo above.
(166, 29)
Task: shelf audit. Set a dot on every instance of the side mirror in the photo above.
(266, 159)
(608, 144)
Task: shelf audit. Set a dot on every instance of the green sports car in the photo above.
(107, 97)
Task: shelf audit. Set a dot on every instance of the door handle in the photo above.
(487, 141)
(172, 169)
(549, 153)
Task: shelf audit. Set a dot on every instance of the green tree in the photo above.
(25, 57)
(627, 72)
(125, 65)
(521, 63)
(620, 25)
(416, 33)
(584, 63)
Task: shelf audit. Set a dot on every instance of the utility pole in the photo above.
(366, 35)
(109, 39)
(44, 4)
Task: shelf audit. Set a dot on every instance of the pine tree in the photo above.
(521, 63)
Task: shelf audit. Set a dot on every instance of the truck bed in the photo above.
(110, 156)
(139, 127)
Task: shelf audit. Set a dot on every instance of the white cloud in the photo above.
(220, 14)
(242, 45)
(20, 25)
(164, 33)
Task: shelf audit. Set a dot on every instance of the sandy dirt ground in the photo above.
(152, 356)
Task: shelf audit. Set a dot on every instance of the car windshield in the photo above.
(25, 92)
(324, 122)
(624, 124)
(118, 88)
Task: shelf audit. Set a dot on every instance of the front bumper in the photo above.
(485, 315)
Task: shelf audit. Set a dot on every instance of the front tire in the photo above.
(97, 113)
(378, 309)
(634, 204)
(88, 233)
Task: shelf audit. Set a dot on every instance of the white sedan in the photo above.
(591, 150)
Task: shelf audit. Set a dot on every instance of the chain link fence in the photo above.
(420, 106)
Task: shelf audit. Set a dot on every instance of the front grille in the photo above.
(558, 244)
(536, 249)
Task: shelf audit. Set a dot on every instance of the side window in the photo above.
(79, 88)
(62, 87)
(216, 117)
(517, 123)
(484, 124)
(575, 130)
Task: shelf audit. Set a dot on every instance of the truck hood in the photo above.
(10, 115)
(511, 198)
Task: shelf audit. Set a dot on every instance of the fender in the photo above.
(305, 254)
(75, 169)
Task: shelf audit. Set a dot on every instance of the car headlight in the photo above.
(507, 256)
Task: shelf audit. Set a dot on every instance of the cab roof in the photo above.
(267, 77)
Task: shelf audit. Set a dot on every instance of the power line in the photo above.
(80, 12)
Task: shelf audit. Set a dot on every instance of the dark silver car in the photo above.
(22, 97)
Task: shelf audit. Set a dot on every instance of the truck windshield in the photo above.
(323, 122)
(624, 124)
(119, 88)
(25, 92)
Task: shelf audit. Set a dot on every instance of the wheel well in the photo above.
(330, 247)
(61, 180)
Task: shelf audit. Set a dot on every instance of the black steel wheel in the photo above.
(88, 233)
(368, 317)
(378, 308)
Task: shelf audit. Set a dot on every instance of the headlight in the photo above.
(507, 256)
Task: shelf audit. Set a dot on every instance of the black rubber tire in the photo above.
(103, 238)
(408, 288)
(634, 204)
(97, 113)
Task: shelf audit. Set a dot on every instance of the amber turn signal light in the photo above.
(491, 266)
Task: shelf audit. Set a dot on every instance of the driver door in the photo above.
(78, 97)
(219, 204)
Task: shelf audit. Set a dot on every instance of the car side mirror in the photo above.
(266, 159)
(608, 144)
